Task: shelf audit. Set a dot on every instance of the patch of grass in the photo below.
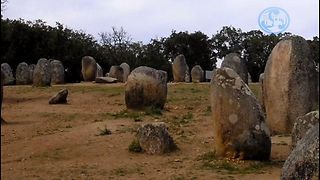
(209, 156)
(178, 178)
(210, 162)
(123, 171)
(120, 172)
(188, 116)
(151, 111)
(124, 114)
(135, 146)
(104, 131)
(207, 111)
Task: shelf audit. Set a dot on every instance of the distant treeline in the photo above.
(29, 41)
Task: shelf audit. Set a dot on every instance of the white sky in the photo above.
(146, 19)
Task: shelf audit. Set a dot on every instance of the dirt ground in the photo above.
(43, 141)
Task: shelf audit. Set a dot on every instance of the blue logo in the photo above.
(274, 20)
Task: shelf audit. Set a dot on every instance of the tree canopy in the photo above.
(29, 41)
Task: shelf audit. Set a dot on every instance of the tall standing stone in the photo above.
(261, 77)
(8, 76)
(289, 85)
(197, 74)
(2, 80)
(146, 87)
(187, 75)
(22, 74)
(116, 72)
(234, 62)
(89, 68)
(249, 78)
(57, 72)
(42, 73)
(238, 120)
(126, 71)
(179, 68)
(99, 71)
(31, 70)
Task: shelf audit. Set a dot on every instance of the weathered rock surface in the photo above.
(89, 68)
(116, 72)
(234, 62)
(8, 76)
(146, 87)
(57, 72)
(289, 84)
(302, 125)
(126, 71)
(60, 97)
(42, 73)
(106, 80)
(179, 69)
(239, 125)
(99, 71)
(155, 139)
(23, 74)
(303, 161)
(197, 74)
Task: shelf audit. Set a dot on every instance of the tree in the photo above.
(196, 47)
(314, 49)
(3, 5)
(228, 40)
(116, 45)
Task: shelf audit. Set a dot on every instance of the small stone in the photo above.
(60, 97)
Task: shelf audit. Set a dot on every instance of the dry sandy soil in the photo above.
(43, 141)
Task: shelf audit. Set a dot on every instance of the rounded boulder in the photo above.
(146, 87)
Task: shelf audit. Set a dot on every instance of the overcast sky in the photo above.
(146, 19)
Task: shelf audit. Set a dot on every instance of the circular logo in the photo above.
(274, 20)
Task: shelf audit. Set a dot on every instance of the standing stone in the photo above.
(2, 80)
(31, 70)
(289, 85)
(302, 125)
(155, 139)
(239, 127)
(89, 68)
(8, 76)
(116, 72)
(22, 74)
(187, 76)
(179, 69)
(197, 74)
(303, 161)
(234, 62)
(146, 87)
(57, 72)
(99, 71)
(42, 73)
(249, 78)
(126, 71)
(261, 77)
